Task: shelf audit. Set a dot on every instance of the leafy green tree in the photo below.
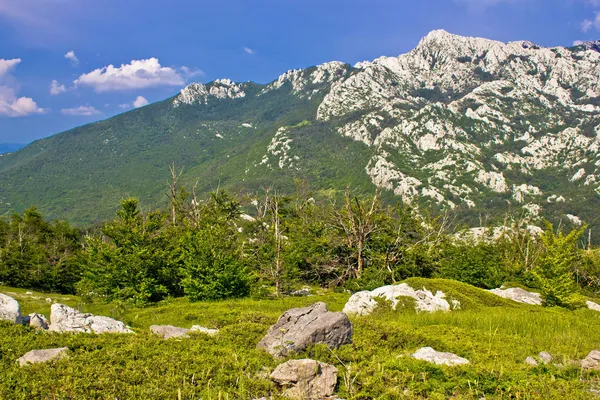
(554, 271)
(130, 260)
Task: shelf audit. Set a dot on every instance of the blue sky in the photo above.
(156, 47)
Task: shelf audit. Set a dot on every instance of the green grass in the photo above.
(496, 335)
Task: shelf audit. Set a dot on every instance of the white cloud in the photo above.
(80, 111)
(578, 42)
(140, 102)
(72, 57)
(7, 65)
(191, 72)
(249, 51)
(586, 25)
(125, 106)
(56, 88)
(10, 104)
(138, 74)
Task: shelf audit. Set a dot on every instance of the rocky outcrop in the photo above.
(592, 360)
(363, 303)
(66, 319)
(298, 328)
(306, 379)
(39, 356)
(519, 295)
(440, 358)
(543, 358)
(10, 310)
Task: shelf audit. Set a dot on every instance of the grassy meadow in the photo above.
(496, 335)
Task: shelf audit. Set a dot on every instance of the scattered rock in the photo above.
(48, 300)
(531, 361)
(201, 329)
(39, 356)
(430, 355)
(10, 310)
(306, 379)
(302, 292)
(592, 361)
(593, 306)
(363, 303)
(519, 295)
(169, 331)
(545, 357)
(297, 328)
(66, 319)
(38, 321)
(28, 293)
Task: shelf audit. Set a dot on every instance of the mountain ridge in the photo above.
(458, 123)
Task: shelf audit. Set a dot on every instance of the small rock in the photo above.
(592, 361)
(306, 379)
(48, 300)
(201, 329)
(519, 295)
(38, 356)
(169, 331)
(67, 319)
(593, 306)
(29, 293)
(302, 292)
(545, 357)
(10, 310)
(531, 361)
(38, 321)
(298, 328)
(430, 355)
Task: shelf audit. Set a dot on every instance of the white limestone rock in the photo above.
(439, 358)
(66, 319)
(202, 329)
(10, 309)
(519, 295)
(40, 356)
(363, 303)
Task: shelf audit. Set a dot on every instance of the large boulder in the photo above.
(38, 356)
(298, 328)
(10, 310)
(306, 379)
(519, 295)
(363, 303)
(593, 306)
(437, 357)
(67, 319)
(592, 361)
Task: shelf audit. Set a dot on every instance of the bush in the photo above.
(478, 264)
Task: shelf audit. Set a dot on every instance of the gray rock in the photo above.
(10, 310)
(169, 331)
(38, 321)
(67, 319)
(39, 356)
(363, 303)
(306, 379)
(519, 295)
(298, 328)
(531, 361)
(592, 306)
(436, 357)
(592, 361)
(201, 329)
(545, 357)
(302, 292)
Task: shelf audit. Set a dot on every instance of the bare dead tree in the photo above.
(174, 190)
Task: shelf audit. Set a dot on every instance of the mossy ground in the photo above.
(496, 335)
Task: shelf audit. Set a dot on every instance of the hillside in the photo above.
(494, 334)
(465, 124)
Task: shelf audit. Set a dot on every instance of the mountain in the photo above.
(458, 123)
(10, 147)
